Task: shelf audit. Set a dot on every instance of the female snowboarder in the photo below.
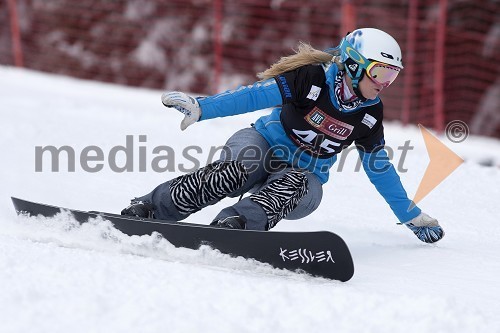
(324, 101)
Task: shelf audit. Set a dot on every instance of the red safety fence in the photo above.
(451, 48)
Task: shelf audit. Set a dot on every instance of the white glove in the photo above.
(184, 103)
(426, 228)
(424, 220)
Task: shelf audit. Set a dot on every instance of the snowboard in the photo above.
(318, 253)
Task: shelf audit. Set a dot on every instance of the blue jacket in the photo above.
(295, 92)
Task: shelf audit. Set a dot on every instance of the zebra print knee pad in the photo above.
(207, 185)
(281, 196)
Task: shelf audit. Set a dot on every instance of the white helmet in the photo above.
(375, 44)
(372, 52)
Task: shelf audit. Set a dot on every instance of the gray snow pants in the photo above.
(251, 149)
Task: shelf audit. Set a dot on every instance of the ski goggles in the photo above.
(382, 73)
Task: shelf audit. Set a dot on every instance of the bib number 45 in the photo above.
(310, 136)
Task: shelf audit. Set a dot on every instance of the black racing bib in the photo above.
(315, 125)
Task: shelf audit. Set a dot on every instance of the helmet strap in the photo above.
(356, 73)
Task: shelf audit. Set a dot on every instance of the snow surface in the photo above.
(56, 276)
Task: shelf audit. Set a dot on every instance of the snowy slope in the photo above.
(57, 277)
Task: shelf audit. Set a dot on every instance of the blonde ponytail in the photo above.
(305, 55)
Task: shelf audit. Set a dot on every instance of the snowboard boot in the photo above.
(139, 209)
(230, 222)
(207, 185)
